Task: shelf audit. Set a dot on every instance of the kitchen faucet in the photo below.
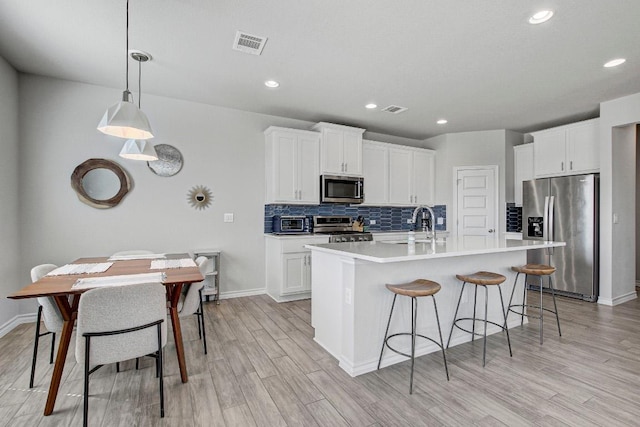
(414, 219)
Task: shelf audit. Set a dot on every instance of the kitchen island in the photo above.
(350, 304)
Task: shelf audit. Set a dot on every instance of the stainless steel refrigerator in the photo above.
(565, 209)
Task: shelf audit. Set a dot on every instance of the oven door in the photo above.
(341, 189)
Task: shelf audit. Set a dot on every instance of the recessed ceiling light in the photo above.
(540, 17)
(371, 106)
(615, 62)
(442, 121)
(271, 83)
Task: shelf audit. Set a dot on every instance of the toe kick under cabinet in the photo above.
(288, 266)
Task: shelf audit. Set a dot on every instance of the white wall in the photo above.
(480, 148)
(9, 237)
(617, 182)
(223, 149)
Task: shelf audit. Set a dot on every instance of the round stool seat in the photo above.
(482, 278)
(534, 269)
(417, 288)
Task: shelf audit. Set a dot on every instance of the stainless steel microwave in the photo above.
(341, 189)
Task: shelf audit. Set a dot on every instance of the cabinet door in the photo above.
(400, 176)
(423, 177)
(522, 169)
(375, 170)
(308, 169)
(352, 151)
(583, 150)
(285, 160)
(296, 272)
(332, 151)
(549, 150)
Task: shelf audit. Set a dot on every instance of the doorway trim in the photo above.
(496, 192)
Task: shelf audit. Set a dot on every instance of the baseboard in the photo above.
(17, 320)
(618, 300)
(238, 294)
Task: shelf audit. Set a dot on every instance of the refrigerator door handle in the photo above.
(545, 219)
(550, 227)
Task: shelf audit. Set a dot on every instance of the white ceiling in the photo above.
(477, 63)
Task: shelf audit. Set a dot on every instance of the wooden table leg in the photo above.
(69, 313)
(173, 294)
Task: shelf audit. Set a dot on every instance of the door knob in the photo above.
(491, 230)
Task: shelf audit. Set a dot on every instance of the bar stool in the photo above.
(486, 279)
(417, 288)
(539, 270)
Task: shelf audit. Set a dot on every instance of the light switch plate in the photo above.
(228, 217)
(440, 221)
(372, 222)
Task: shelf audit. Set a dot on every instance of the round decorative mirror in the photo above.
(100, 183)
(200, 197)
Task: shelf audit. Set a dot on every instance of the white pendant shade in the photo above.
(138, 150)
(125, 120)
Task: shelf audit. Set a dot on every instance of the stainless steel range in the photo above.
(339, 228)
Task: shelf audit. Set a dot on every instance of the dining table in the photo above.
(61, 288)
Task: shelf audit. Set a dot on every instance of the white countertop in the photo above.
(385, 252)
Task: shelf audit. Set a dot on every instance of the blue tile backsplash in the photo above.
(514, 218)
(386, 218)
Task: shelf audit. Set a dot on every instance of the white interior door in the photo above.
(477, 201)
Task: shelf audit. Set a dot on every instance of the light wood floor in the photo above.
(264, 369)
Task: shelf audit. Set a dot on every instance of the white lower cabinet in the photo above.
(297, 273)
(288, 266)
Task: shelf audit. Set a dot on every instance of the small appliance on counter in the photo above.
(290, 224)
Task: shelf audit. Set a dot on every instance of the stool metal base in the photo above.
(474, 319)
(413, 335)
(541, 307)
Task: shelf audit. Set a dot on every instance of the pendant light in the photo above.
(139, 149)
(124, 119)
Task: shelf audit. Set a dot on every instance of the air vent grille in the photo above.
(249, 43)
(394, 109)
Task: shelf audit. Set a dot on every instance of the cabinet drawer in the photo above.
(297, 245)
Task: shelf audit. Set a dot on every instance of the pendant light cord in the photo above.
(139, 83)
(127, 52)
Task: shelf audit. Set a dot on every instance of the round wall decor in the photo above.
(169, 160)
(200, 197)
(100, 183)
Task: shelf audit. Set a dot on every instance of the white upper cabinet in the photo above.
(340, 149)
(411, 176)
(292, 166)
(400, 176)
(375, 170)
(523, 169)
(567, 150)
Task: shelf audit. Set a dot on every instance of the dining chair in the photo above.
(133, 252)
(118, 323)
(191, 302)
(48, 310)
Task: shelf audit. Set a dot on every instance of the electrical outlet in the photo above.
(409, 221)
(347, 296)
(372, 222)
(228, 217)
(440, 221)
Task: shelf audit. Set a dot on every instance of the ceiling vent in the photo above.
(249, 43)
(394, 109)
